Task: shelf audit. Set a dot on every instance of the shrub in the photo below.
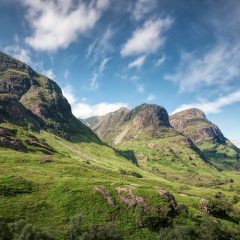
(75, 229)
(106, 232)
(178, 232)
(5, 233)
(139, 215)
(23, 230)
(91, 232)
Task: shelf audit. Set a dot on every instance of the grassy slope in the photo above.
(49, 193)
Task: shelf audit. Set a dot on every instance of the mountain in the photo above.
(59, 181)
(145, 136)
(34, 101)
(125, 124)
(194, 124)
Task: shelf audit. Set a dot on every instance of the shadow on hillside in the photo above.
(128, 154)
(231, 162)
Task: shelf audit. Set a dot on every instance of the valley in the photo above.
(131, 174)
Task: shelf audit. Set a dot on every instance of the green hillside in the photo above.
(58, 180)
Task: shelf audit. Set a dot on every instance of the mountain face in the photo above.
(194, 124)
(145, 136)
(31, 100)
(207, 136)
(124, 124)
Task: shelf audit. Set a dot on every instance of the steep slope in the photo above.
(34, 101)
(125, 124)
(145, 136)
(62, 178)
(207, 136)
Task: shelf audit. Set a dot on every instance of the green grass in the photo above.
(49, 193)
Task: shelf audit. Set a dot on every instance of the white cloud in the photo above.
(84, 110)
(94, 85)
(58, 23)
(19, 53)
(161, 60)
(236, 142)
(94, 82)
(49, 73)
(212, 106)
(66, 74)
(101, 46)
(217, 67)
(68, 93)
(142, 8)
(137, 62)
(151, 97)
(147, 39)
(81, 109)
(134, 78)
(103, 64)
(140, 88)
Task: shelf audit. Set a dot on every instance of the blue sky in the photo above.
(106, 54)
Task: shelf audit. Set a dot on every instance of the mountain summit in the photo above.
(206, 136)
(32, 100)
(148, 119)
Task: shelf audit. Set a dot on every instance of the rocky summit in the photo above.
(34, 101)
(194, 124)
(148, 119)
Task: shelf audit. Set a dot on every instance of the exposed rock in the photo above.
(105, 194)
(206, 136)
(127, 197)
(194, 124)
(33, 100)
(204, 205)
(168, 196)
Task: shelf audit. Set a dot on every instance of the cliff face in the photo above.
(122, 124)
(30, 99)
(194, 124)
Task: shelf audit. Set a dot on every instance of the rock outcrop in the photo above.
(194, 124)
(32, 100)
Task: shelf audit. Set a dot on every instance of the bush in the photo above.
(91, 232)
(219, 206)
(75, 229)
(139, 215)
(178, 232)
(5, 233)
(22, 230)
(106, 232)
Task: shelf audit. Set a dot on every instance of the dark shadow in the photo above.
(128, 154)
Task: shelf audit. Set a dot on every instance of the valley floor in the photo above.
(95, 181)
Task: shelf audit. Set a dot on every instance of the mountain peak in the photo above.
(194, 124)
(150, 116)
(191, 112)
(37, 97)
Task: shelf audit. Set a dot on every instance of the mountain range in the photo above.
(189, 129)
(131, 174)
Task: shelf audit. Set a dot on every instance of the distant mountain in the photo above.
(33, 101)
(145, 135)
(207, 136)
(125, 124)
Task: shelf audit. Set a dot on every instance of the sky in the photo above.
(107, 54)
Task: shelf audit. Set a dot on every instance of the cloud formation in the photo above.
(212, 106)
(81, 109)
(142, 8)
(217, 67)
(19, 53)
(147, 39)
(56, 24)
(137, 62)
